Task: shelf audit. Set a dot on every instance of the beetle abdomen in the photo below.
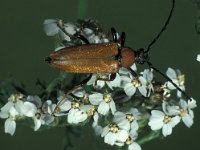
(87, 65)
(92, 58)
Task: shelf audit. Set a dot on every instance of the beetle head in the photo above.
(141, 56)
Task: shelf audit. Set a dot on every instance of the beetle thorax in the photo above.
(128, 57)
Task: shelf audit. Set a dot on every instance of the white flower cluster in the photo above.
(119, 109)
(123, 127)
(69, 32)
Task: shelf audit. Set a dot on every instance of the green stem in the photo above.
(152, 135)
(82, 8)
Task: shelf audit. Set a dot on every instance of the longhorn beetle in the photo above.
(105, 57)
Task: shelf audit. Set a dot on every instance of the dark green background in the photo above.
(23, 46)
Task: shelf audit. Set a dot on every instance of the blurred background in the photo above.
(23, 46)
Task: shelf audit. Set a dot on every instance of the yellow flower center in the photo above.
(38, 115)
(12, 117)
(181, 80)
(183, 112)
(113, 128)
(130, 117)
(136, 82)
(86, 99)
(129, 141)
(75, 104)
(14, 97)
(90, 112)
(167, 119)
(107, 98)
(57, 110)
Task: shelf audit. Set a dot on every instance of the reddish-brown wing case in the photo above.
(91, 58)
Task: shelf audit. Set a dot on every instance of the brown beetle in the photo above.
(101, 58)
(104, 57)
(96, 58)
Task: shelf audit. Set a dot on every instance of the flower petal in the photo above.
(10, 126)
(171, 73)
(188, 120)
(37, 123)
(115, 83)
(65, 106)
(129, 89)
(103, 108)
(30, 109)
(105, 131)
(95, 99)
(92, 79)
(198, 57)
(175, 120)
(134, 146)
(122, 135)
(6, 108)
(110, 138)
(119, 116)
(167, 129)
(20, 108)
(50, 27)
(192, 104)
(112, 106)
(143, 90)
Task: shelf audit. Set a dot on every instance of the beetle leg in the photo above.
(133, 72)
(73, 89)
(122, 39)
(86, 80)
(114, 34)
(122, 42)
(81, 37)
(111, 78)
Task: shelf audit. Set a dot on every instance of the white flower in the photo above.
(130, 141)
(114, 133)
(33, 109)
(71, 108)
(70, 28)
(163, 120)
(97, 128)
(63, 106)
(104, 102)
(132, 83)
(10, 124)
(76, 116)
(15, 100)
(198, 57)
(186, 111)
(101, 83)
(128, 119)
(177, 78)
(148, 75)
(125, 71)
(92, 112)
(50, 27)
(48, 112)
(79, 92)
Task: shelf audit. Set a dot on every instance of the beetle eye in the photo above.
(48, 60)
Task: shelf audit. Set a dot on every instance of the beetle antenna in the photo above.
(170, 80)
(163, 28)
